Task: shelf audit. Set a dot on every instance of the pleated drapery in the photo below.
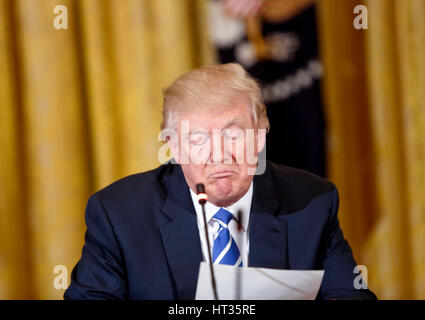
(80, 108)
(375, 93)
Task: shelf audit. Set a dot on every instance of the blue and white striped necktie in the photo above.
(225, 250)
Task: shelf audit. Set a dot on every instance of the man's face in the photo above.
(219, 148)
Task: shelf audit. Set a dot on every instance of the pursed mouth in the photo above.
(221, 174)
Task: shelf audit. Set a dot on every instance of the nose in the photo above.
(221, 152)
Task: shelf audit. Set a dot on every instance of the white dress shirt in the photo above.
(241, 237)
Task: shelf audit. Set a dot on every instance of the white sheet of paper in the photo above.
(258, 283)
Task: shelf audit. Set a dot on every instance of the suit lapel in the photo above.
(267, 241)
(268, 235)
(180, 236)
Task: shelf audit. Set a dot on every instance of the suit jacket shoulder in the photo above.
(294, 188)
(133, 186)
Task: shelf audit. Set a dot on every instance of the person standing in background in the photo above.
(275, 40)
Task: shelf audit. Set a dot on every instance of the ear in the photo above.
(173, 143)
(261, 139)
(171, 137)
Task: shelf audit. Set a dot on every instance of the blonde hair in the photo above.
(213, 86)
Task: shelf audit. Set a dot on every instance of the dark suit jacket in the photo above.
(142, 239)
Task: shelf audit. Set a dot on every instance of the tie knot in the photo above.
(223, 216)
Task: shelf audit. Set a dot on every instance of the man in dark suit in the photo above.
(145, 237)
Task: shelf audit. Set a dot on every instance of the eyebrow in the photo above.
(198, 131)
(231, 122)
(227, 124)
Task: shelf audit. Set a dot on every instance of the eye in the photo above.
(233, 134)
(198, 139)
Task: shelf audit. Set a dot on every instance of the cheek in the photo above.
(237, 149)
(200, 154)
(251, 149)
(196, 173)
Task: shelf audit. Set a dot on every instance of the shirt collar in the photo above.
(243, 205)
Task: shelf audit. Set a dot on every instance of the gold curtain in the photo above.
(375, 96)
(79, 108)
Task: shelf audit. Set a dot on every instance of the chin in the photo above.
(222, 202)
(223, 198)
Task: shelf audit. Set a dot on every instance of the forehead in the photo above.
(239, 113)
